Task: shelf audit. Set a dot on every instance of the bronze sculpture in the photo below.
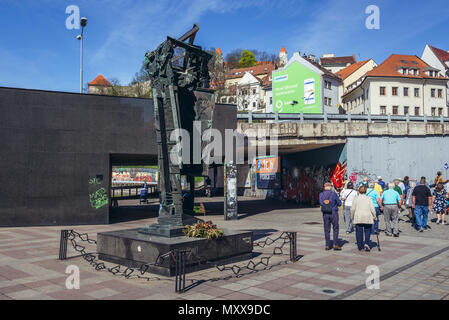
(179, 75)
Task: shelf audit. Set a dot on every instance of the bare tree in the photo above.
(217, 72)
(233, 58)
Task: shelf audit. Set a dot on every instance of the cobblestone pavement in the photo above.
(29, 268)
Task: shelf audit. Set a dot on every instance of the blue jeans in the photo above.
(376, 223)
(421, 213)
(363, 231)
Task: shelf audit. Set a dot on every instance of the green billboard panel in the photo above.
(295, 89)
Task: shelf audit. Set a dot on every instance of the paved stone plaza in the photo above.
(30, 269)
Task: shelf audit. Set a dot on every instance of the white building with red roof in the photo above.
(353, 75)
(439, 59)
(402, 84)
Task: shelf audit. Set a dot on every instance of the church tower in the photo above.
(283, 59)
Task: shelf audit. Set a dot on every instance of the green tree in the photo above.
(247, 59)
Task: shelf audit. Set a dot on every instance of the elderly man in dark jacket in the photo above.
(330, 202)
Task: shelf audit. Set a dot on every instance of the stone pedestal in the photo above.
(132, 248)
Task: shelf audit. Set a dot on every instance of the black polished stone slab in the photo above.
(132, 248)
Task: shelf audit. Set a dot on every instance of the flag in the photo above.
(340, 170)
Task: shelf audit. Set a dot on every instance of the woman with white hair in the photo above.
(363, 214)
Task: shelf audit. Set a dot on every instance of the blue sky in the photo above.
(38, 52)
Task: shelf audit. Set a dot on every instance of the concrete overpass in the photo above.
(390, 146)
(298, 132)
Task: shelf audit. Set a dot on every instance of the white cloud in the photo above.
(143, 25)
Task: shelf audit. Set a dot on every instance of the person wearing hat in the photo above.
(378, 187)
(381, 182)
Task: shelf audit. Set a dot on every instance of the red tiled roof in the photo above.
(346, 72)
(100, 81)
(442, 55)
(256, 70)
(392, 65)
(338, 60)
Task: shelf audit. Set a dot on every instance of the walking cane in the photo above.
(378, 243)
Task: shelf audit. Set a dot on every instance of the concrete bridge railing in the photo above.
(324, 117)
(297, 130)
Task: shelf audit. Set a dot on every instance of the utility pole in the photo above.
(80, 37)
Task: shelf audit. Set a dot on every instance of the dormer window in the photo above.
(404, 71)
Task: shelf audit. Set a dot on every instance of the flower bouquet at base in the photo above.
(206, 230)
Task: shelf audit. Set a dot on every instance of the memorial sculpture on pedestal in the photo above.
(180, 79)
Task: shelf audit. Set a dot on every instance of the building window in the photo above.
(417, 111)
(382, 91)
(406, 110)
(383, 109)
(405, 92)
(271, 100)
(329, 101)
(394, 91)
(440, 112)
(327, 84)
(433, 112)
(325, 101)
(254, 91)
(416, 92)
(395, 109)
(254, 105)
(432, 93)
(440, 93)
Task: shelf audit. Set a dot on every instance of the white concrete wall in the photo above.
(396, 157)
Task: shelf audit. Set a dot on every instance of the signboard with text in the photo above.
(295, 89)
(268, 170)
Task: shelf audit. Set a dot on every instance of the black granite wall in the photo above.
(56, 152)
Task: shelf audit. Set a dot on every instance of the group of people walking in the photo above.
(363, 205)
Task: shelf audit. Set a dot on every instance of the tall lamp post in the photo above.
(80, 37)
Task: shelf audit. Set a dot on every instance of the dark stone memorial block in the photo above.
(132, 248)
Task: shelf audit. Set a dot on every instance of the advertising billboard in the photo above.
(268, 170)
(295, 89)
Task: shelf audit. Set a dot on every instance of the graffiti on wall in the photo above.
(123, 175)
(99, 197)
(303, 184)
(357, 176)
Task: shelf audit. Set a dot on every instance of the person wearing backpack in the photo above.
(347, 196)
(329, 202)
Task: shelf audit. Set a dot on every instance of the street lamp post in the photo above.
(80, 37)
